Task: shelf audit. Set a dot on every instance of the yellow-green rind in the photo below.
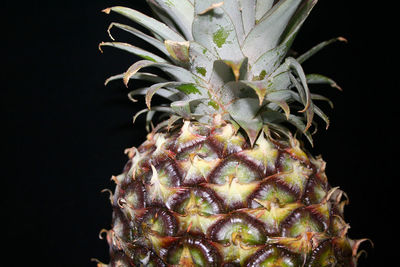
(282, 212)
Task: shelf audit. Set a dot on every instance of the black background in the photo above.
(65, 132)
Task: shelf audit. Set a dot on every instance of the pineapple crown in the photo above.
(228, 60)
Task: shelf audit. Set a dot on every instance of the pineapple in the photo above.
(223, 180)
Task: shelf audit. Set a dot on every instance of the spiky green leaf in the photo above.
(156, 87)
(267, 63)
(297, 21)
(184, 107)
(216, 32)
(220, 75)
(248, 10)
(182, 11)
(267, 33)
(305, 97)
(232, 9)
(298, 69)
(168, 93)
(144, 76)
(322, 98)
(321, 79)
(151, 40)
(178, 73)
(244, 112)
(239, 68)
(178, 50)
(134, 50)
(201, 61)
(301, 59)
(260, 87)
(262, 7)
(151, 24)
(161, 15)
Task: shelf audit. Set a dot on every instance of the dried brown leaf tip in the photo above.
(213, 6)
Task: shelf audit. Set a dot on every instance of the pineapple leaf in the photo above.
(323, 98)
(248, 10)
(298, 123)
(244, 112)
(138, 91)
(178, 50)
(167, 93)
(221, 74)
(297, 21)
(305, 98)
(154, 42)
(301, 59)
(140, 112)
(322, 115)
(281, 98)
(238, 68)
(176, 72)
(134, 50)
(171, 121)
(281, 95)
(231, 91)
(204, 6)
(275, 118)
(280, 78)
(267, 33)
(298, 69)
(321, 79)
(149, 118)
(262, 7)
(201, 61)
(260, 87)
(151, 24)
(267, 63)
(232, 10)
(184, 107)
(236, 10)
(216, 32)
(284, 106)
(155, 87)
(137, 76)
(182, 12)
(316, 109)
(162, 16)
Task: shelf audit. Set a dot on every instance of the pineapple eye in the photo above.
(323, 255)
(194, 251)
(270, 190)
(232, 169)
(202, 199)
(301, 221)
(238, 228)
(272, 256)
(160, 221)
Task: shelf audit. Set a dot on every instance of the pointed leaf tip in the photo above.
(235, 66)
(260, 88)
(99, 46)
(109, 31)
(244, 112)
(106, 10)
(178, 50)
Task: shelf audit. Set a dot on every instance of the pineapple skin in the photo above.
(200, 195)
